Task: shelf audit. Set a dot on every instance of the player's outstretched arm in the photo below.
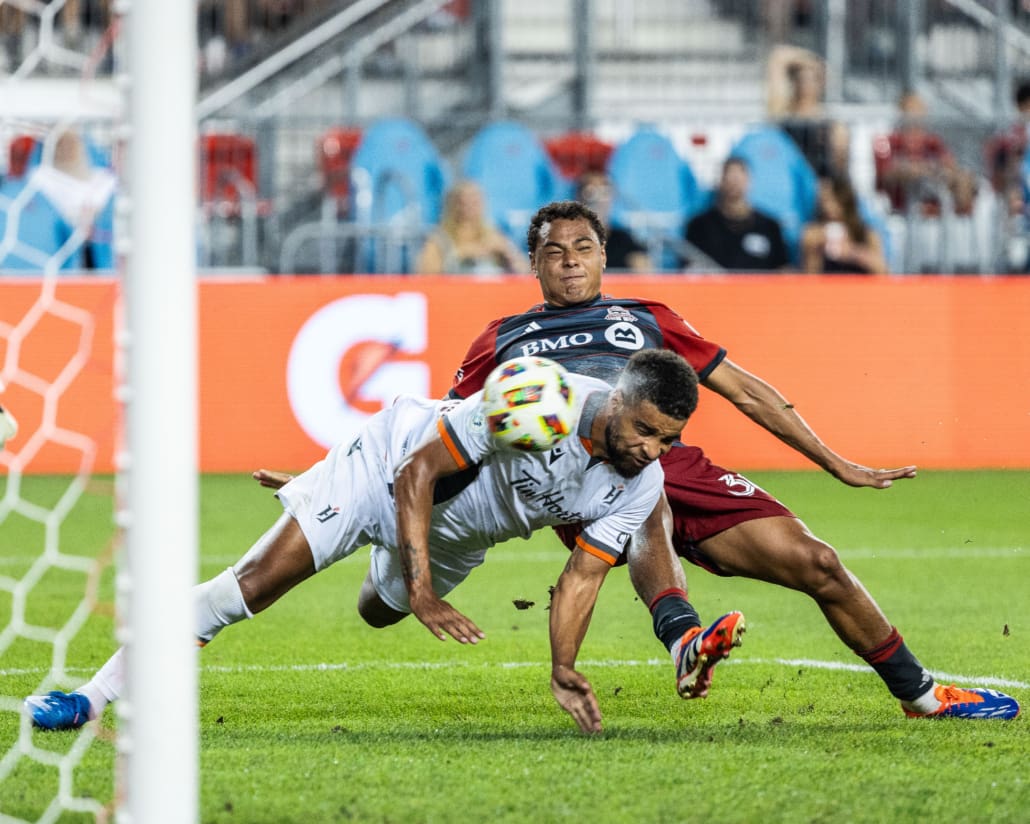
(271, 478)
(572, 604)
(769, 409)
(413, 486)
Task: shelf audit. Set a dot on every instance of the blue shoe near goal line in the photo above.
(957, 702)
(58, 710)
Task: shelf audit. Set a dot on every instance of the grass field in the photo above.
(307, 715)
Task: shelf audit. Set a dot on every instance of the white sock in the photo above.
(927, 702)
(219, 603)
(105, 686)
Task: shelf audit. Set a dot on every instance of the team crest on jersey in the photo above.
(618, 313)
(477, 422)
(624, 335)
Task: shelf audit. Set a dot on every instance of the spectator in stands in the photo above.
(796, 84)
(839, 240)
(623, 251)
(465, 242)
(732, 232)
(1005, 152)
(80, 191)
(914, 166)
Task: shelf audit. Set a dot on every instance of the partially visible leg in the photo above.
(782, 551)
(373, 609)
(658, 578)
(276, 563)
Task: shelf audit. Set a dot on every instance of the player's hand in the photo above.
(441, 619)
(272, 479)
(857, 475)
(575, 695)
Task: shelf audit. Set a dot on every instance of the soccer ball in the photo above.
(528, 404)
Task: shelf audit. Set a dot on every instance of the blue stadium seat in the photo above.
(783, 183)
(398, 180)
(656, 192)
(515, 173)
(41, 231)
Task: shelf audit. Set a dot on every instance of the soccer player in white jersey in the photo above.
(427, 485)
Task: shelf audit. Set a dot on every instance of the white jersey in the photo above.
(346, 500)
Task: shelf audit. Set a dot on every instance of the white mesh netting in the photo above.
(58, 309)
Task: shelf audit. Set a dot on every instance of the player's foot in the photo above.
(957, 702)
(58, 710)
(701, 650)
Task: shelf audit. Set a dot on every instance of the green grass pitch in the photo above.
(307, 715)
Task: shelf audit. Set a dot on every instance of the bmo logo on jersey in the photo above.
(351, 357)
(621, 335)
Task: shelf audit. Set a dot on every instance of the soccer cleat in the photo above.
(700, 650)
(957, 702)
(58, 710)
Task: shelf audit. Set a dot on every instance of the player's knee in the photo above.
(373, 610)
(824, 576)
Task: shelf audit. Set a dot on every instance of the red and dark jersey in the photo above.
(595, 338)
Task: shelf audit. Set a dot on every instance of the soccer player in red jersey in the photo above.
(721, 521)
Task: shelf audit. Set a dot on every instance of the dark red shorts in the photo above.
(705, 499)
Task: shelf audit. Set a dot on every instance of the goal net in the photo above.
(97, 503)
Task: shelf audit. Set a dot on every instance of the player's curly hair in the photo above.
(663, 378)
(563, 210)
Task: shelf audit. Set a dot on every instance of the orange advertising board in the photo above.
(889, 371)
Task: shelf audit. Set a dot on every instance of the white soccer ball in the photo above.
(528, 404)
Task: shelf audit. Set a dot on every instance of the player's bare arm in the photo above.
(272, 479)
(763, 404)
(414, 482)
(572, 604)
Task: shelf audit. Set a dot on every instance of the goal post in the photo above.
(158, 718)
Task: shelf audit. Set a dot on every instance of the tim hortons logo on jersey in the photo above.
(618, 313)
(529, 489)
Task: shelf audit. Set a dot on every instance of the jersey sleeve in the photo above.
(463, 430)
(680, 337)
(606, 537)
(479, 361)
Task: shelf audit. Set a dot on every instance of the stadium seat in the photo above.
(22, 152)
(576, 153)
(515, 173)
(397, 182)
(334, 151)
(41, 231)
(228, 171)
(656, 192)
(783, 183)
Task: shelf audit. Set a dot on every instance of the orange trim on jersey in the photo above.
(452, 447)
(597, 552)
(588, 444)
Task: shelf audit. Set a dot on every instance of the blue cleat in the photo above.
(701, 650)
(58, 710)
(957, 702)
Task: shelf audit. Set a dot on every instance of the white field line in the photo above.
(508, 555)
(585, 665)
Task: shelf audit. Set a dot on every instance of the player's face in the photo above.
(638, 434)
(568, 262)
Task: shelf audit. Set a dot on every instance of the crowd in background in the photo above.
(917, 175)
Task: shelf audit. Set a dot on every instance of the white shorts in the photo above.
(448, 570)
(343, 503)
(339, 503)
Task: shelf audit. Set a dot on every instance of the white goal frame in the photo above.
(158, 717)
